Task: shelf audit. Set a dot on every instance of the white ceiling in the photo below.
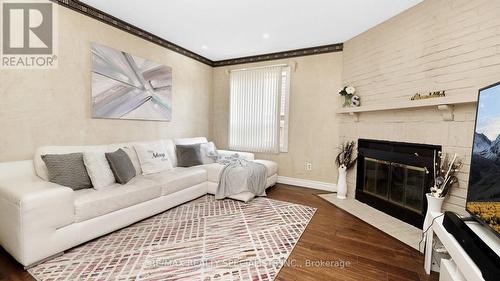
(224, 29)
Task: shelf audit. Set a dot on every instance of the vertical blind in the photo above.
(254, 119)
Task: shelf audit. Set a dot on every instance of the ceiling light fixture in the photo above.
(204, 47)
(265, 35)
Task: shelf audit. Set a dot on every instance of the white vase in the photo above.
(434, 205)
(342, 183)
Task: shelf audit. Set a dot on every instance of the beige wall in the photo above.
(40, 107)
(451, 45)
(313, 134)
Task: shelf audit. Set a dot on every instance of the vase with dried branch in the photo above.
(445, 169)
(345, 160)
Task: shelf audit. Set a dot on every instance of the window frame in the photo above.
(286, 120)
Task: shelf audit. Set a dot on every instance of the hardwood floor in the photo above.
(335, 246)
(10, 269)
(335, 235)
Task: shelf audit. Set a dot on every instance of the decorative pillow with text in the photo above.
(153, 157)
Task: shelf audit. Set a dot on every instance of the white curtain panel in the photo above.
(254, 109)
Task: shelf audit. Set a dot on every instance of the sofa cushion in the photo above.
(188, 141)
(272, 167)
(214, 170)
(130, 150)
(90, 203)
(121, 165)
(188, 155)
(67, 170)
(178, 178)
(170, 146)
(185, 141)
(41, 168)
(98, 168)
(208, 153)
(223, 154)
(153, 157)
(212, 186)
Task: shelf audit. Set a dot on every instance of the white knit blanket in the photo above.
(240, 175)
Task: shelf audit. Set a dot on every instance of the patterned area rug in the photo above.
(205, 239)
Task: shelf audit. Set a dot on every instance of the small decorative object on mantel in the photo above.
(345, 160)
(347, 92)
(439, 94)
(355, 101)
(445, 169)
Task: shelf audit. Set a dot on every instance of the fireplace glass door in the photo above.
(377, 177)
(400, 184)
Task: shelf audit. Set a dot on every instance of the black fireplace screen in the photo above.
(394, 177)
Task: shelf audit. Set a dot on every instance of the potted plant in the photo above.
(344, 160)
(347, 92)
(445, 169)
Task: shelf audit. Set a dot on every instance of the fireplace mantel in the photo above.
(445, 105)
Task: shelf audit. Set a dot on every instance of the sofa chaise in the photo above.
(40, 219)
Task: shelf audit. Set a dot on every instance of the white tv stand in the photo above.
(466, 268)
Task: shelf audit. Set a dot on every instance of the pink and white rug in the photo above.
(205, 239)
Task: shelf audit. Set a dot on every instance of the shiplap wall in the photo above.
(451, 45)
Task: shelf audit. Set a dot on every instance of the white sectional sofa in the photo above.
(40, 219)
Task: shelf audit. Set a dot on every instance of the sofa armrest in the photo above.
(34, 195)
(31, 207)
(245, 155)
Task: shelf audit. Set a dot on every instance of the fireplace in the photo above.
(393, 177)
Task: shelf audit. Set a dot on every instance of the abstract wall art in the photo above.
(125, 86)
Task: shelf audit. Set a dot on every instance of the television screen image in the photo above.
(483, 198)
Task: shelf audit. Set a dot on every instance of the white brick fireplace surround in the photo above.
(437, 45)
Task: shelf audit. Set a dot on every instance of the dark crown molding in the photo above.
(283, 55)
(134, 30)
(129, 28)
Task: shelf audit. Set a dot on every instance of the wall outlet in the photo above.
(309, 166)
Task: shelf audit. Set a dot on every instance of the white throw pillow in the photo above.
(153, 157)
(133, 157)
(208, 153)
(98, 168)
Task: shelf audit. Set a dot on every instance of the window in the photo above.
(258, 120)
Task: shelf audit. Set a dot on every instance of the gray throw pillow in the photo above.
(188, 155)
(121, 165)
(68, 170)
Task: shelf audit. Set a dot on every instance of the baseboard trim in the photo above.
(308, 183)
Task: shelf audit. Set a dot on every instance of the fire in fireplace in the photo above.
(393, 177)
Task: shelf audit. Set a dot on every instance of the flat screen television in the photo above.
(483, 196)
